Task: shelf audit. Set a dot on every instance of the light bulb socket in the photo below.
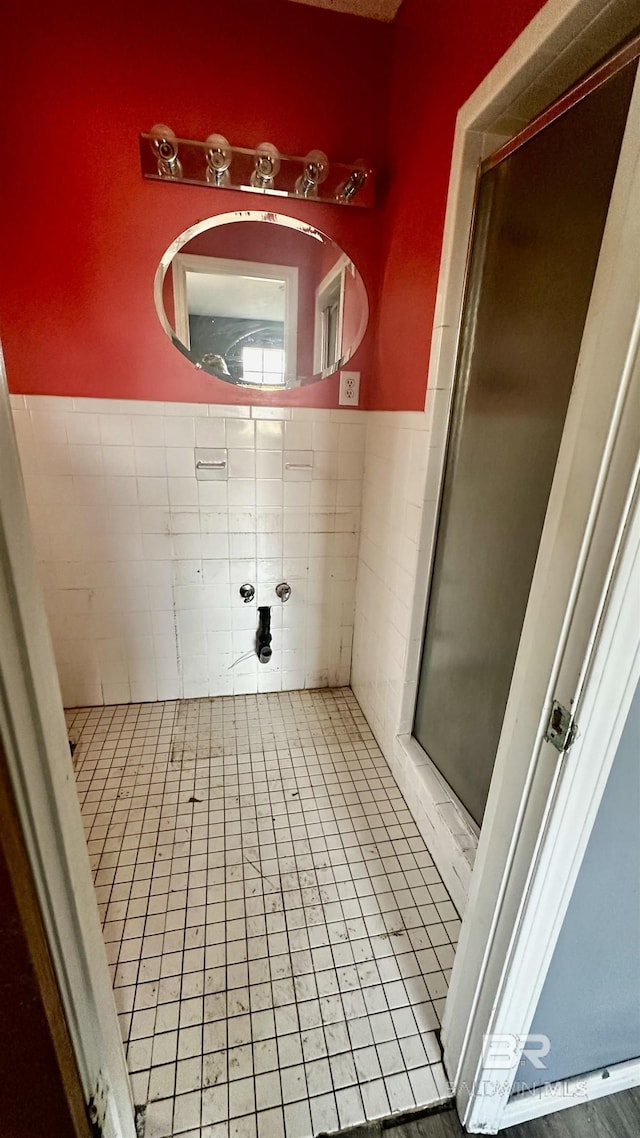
(165, 148)
(316, 169)
(219, 154)
(218, 158)
(352, 186)
(266, 166)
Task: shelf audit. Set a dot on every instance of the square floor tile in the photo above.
(279, 936)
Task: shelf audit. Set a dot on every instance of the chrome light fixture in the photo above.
(220, 164)
(267, 164)
(218, 158)
(352, 186)
(165, 147)
(316, 168)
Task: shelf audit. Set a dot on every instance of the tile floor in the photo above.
(279, 938)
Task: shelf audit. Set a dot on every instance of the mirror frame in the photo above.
(270, 218)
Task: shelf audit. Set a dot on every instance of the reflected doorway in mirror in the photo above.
(238, 319)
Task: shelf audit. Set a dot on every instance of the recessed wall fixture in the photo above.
(165, 147)
(261, 169)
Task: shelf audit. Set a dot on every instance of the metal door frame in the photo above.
(563, 41)
(474, 277)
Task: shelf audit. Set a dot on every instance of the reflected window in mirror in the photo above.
(264, 366)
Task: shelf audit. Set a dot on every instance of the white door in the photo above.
(35, 740)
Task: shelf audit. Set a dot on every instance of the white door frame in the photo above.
(41, 774)
(491, 990)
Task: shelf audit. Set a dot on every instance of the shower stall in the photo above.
(541, 207)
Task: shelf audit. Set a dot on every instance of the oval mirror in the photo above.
(261, 300)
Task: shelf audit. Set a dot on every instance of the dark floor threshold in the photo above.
(614, 1116)
(380, 1125)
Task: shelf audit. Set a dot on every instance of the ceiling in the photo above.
(236, 296)
(374, 9)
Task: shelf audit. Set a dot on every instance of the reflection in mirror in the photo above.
(238, 318)
(261, 300)
(329, 313)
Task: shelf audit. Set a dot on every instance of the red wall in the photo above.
(441, 54)
(83, 233)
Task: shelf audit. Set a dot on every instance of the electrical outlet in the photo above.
(349, 389)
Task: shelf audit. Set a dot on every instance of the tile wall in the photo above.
(403, 463)
(398, 507)
(141, 563)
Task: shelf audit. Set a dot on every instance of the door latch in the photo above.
(561, 728)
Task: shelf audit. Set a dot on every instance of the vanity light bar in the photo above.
(218, 164)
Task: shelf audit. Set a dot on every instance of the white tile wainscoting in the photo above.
(394, 508)
(141, 563)
(403, 466)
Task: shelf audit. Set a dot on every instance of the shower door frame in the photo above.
(508, 913)
(560, 45)
(474, 286)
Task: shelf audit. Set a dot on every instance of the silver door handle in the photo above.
(220, 464)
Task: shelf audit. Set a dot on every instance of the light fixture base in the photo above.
(218, 165)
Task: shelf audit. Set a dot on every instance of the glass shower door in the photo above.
(540, 217)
